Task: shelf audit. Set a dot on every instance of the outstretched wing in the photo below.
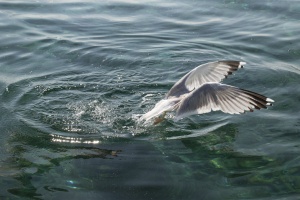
(209, 72)
(216, 96)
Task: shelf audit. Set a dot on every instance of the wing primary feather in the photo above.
(255, 99)
(254, 94)
(237, 102)
(233, 105)
(226, 105)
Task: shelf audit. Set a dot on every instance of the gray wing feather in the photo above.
(209, 72)
(215, 96)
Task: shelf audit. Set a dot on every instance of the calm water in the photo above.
(75, 76)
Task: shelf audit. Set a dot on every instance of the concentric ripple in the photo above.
(60, 104)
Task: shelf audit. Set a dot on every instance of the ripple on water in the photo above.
(65, 107)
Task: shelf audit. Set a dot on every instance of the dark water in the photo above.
(75, 75)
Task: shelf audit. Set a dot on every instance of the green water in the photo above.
(76, 75)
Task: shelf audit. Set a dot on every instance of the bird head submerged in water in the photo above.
(200, 91)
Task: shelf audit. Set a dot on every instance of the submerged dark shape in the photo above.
(200, 91)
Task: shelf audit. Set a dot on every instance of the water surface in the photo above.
(75, 76)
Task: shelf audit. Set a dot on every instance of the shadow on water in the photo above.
(35, 155)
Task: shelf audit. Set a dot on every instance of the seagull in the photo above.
(200, 91)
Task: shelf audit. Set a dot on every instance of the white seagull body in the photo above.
(200, 91)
